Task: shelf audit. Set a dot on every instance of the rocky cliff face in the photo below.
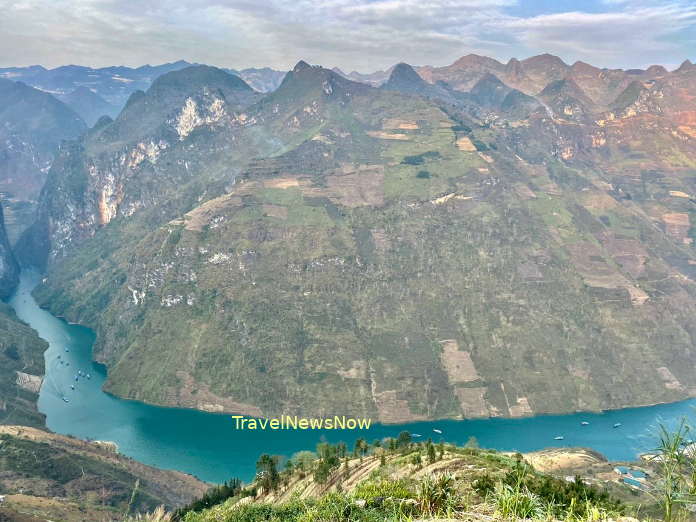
(9, 269)
(335, 248)
(118, 170)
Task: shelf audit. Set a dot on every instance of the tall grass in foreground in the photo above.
(158, 515)
(675, 456)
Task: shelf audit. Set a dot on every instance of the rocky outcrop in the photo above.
(115, 170)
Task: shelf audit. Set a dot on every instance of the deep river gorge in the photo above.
(208, 445)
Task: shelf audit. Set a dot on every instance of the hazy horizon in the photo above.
(670, 66)
(361, 35)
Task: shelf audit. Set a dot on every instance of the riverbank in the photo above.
(208, 446)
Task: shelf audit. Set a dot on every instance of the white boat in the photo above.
(617, 424)
(415, 435)
(437, 431)
(560, 437)
(584, 423)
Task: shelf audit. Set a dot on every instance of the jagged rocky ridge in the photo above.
(405, 252)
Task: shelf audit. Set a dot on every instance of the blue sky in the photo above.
(364, 35)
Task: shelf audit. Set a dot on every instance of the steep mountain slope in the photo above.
(116, 169)
(61, 478)
(89, 105)
(262, 79)
(534, 74)
(9, 269)
(492, 94)
(376, 79)
(21, 370)
(343, 249)
(567, 100)
(465, 72)
(405, 79)
(32, 125)
(488, 98)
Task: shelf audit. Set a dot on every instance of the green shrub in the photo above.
(511, 503)
(484, 485)
(437, 496)
(383, 489)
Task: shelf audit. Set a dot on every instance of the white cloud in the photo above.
(360, 34)
(634, 36)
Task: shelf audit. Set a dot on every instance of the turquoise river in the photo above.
(208, 445)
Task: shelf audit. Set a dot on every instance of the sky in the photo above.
(362, 35)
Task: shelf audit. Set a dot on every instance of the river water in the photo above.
(208, 446)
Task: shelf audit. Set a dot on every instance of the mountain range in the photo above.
(115, 84)
(32, 125)
(477, 240)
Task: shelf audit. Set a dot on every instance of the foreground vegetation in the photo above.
(399, 479)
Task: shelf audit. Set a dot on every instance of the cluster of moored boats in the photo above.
(78, 375)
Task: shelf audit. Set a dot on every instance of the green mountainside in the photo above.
(44, 476)
(402, 253)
